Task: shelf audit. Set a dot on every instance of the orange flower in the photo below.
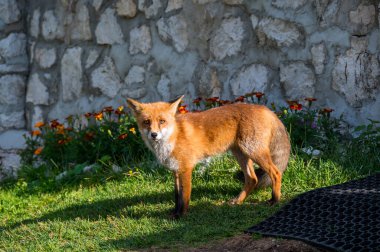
(98, 116)
(35, 133)
(60, 129)
(39, 124)
(240, 99)
(123, 136)
(38, 151)
(182, 109)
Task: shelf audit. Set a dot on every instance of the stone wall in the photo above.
(87, 54)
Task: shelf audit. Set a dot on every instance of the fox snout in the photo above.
(153, 135)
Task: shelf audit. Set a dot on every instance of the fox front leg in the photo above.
(182, 190)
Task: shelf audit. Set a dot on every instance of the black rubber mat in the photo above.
(343, 217)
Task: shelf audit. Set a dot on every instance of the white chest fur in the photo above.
(163, 151)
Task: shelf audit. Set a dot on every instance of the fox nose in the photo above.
(154, 135)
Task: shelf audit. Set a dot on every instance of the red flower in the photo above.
(212, 99)
(197, 101)
(54, 123)
(88, 115)
(259, 94)
(108, 109)
(310, 99)
(123, 136)
(326, 111)
(240, 99)
(89, 136)
(291, 102)
(296, 106)
(224, 102)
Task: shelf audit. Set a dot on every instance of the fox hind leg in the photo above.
(264, 160)
(250, 178)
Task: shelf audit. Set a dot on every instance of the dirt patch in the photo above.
(245, 242)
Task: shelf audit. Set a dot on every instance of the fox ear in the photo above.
(134, 105)
(174, 104)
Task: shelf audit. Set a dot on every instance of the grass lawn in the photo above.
(132, 212)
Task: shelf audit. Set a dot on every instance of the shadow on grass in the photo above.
(205, 222)
(115, 207)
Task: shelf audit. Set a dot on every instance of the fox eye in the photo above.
(146, 122)
(162, 121)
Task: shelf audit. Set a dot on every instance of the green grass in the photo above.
(132, 212)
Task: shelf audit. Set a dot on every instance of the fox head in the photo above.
(156, 120)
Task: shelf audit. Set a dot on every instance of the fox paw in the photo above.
(272, 202)
(234, 201)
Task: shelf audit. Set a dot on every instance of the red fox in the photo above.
(253, 134)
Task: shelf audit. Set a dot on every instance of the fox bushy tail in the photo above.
(280, 152)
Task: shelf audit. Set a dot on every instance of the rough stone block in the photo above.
(71, 74)
(135, 75)
(106, 78)
(34, 29)
(227, 40)
(126, 8)
(81, 24)
(150, 7)
(108, 30)
(9, 11)
(298, 80)
(140, 40)
(174, 29)
(46, 57)
(252, 78)
(10, 163)
(37, 93)
(289, 4)
(163, 87)
(318, 55)
(12, 120)
(174, 5)
(52, 27)
(14, 45)
(12, 90)
(279, 32)
(356, 74)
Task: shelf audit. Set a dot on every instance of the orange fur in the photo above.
(253, 133)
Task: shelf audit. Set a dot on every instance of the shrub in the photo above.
(106, 136)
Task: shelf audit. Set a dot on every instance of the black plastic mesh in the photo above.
(343, 217)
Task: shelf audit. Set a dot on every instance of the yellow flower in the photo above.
(133, 130)
(120, 108)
